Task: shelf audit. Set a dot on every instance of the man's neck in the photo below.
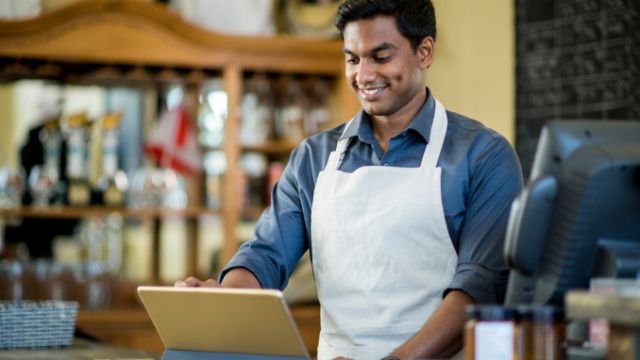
(386, 127)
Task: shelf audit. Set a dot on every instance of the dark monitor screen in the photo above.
(579, 214)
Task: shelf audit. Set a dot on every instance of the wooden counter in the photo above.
(81, 349)
(132, 328)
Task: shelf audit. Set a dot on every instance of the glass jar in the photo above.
(77, 160)
(12, 185)
(549, 332)
(113, 181)
(540, 333)
(49, 280)
(11, 281)
(490, 333)
(93, 286)
(51, 138)
(524, 336)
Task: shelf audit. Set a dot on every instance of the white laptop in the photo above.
(216, 323)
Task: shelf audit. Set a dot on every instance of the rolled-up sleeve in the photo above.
(495, 179)
(280, 236)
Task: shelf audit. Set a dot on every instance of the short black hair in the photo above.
(415, 19)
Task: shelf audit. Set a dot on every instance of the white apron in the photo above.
(382, 254)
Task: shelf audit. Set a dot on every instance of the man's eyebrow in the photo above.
(381, 47)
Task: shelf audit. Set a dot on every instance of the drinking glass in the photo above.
(141, 190)
(42, 184)
(11, 187)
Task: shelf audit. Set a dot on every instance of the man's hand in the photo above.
(193, 282)
(442, 334)
(235, 278)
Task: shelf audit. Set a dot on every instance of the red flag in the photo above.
(173, 142)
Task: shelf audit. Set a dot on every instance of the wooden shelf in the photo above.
(67, 212)
(272, 147)
(253, 212)
(138, 33)
(112, 42)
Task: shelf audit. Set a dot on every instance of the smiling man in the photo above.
(404, 207)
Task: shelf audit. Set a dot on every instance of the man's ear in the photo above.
(426, 50)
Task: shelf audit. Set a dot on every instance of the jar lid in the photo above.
(490, 312)
(111, 121)
(537, 312)
(78, 120)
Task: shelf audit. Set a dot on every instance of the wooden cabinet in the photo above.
(117, 42)
(130, 42)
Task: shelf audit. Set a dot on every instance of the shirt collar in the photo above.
(421, 124)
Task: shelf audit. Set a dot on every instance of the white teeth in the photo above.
(371, 91)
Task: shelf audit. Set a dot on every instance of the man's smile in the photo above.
(371, 93)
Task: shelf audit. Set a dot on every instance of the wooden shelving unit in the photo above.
(132, 42)
(119, 42)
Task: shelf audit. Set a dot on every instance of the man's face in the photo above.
(385, 73)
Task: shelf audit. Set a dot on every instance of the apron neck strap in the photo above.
(335, 158)
(436, 136)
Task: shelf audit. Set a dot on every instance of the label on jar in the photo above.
(113, 197)
(109, 154)
(76, 155)
(78, 193)
(494, 340)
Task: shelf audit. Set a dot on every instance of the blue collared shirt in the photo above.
(481, 175)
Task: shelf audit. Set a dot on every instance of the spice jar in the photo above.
(524, 333)
(540, 333)
(490, 333)
(549, 331)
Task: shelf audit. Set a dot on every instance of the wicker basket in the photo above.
(33, 324)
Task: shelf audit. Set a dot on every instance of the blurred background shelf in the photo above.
(69, 212)
(145, 48)
(143, 45)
